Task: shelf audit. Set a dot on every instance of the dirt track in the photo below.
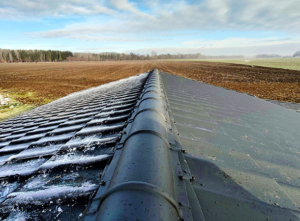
(50, 81)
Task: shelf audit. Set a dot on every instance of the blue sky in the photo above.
(211, 27)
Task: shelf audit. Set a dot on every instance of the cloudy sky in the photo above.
(210, 27)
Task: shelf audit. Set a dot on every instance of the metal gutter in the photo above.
(146, 178)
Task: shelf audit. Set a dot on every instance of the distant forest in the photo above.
(268, 56)
(8, 56)
(297, 54)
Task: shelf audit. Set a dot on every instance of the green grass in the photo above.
(14, 108)
(284, 63)
(6, 113)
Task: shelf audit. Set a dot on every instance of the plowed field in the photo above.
(39, 83)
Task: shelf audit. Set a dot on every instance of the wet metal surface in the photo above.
(51, 157)
(244, 152)
(287, 105)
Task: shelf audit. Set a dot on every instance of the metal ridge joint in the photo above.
(144, 165)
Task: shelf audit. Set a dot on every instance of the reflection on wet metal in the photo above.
(50, 169)
(246, 163)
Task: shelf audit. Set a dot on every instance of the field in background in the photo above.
(285, 63)
(34, 84)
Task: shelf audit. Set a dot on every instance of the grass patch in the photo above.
(6, 113)
(15, 106)
(27, 97)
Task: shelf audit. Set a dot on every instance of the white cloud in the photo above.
(239, 42)
(127, 6)
(270, 15)
(129, 21)
(170, 15)
(27, 9)
(285, 49)
(96, 49)
(231, 14)
(244, 46)
(114, 39)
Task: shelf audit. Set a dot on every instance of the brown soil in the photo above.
(50, 81)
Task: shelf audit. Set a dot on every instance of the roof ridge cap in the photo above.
(142, 159)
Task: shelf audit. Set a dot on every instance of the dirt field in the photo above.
(263, 82)
(285, 63)
(39, 83)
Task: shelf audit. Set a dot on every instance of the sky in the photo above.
(209, 27)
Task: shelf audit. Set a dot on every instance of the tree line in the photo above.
(113, 56)
(268, 56)
(8, 56)
(297, 54)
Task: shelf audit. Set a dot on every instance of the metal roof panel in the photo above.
(244, 160)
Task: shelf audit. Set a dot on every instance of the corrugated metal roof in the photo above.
(165, 148)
